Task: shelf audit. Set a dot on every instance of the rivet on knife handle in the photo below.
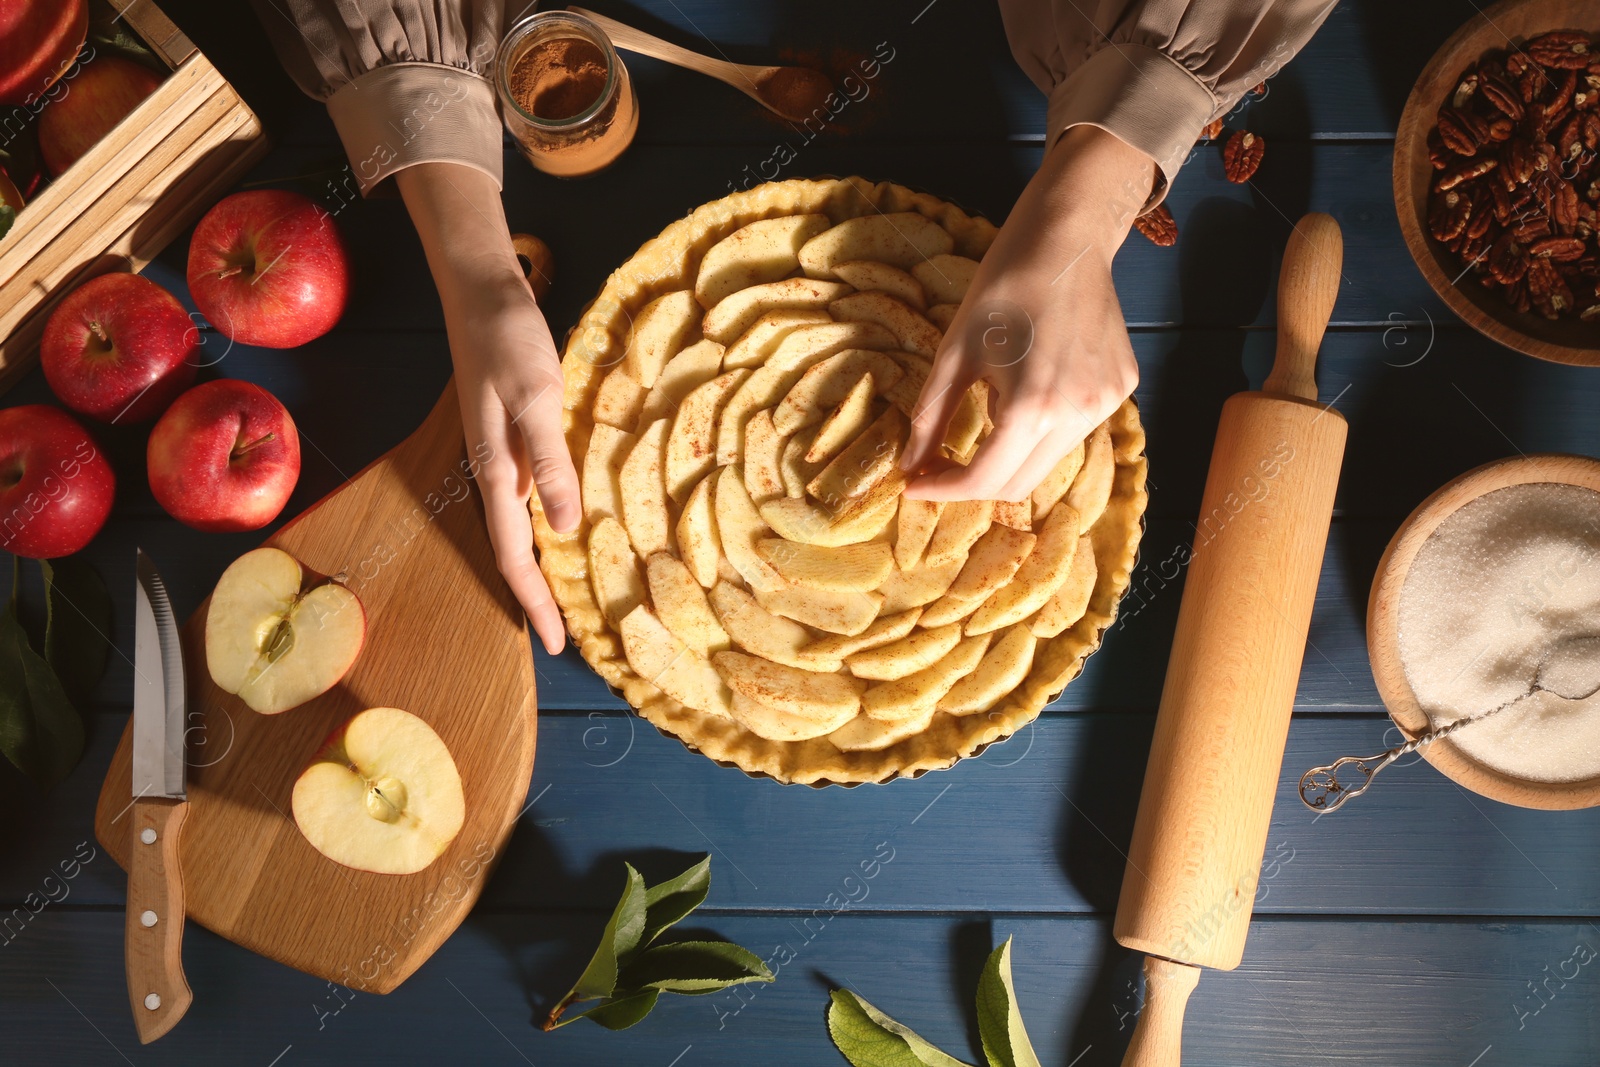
(157, 988)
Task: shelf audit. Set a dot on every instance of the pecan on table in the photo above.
(1158, 225)
(1241, 156)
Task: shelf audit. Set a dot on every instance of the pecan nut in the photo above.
(1462, 131)
(1241, 156)
(1563, 49)
(1558, 249)
(1213, 129)
(1449, 216)
(1465, 171)
(1507, 262)
(1504, 96)
(1158, 225)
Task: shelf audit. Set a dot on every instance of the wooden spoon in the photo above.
(794, 93)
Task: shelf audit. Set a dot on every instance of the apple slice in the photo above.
(835, 612)
(899, 238)
(807, 694)
(866, 734)
(762, 446)
(763, 634)
(991, 563)
(383, 795)
(681, 605)
(796, 519)
(272, 642)
(740, 526)
(1040, 575)
(775, 725)
(918, 518)
(698, 542)
(847, 422)
(886, 629)
(907, 698)
(868, 274)
(1091, 489)
(918, 586)
(602, 471)
(1071, 599)
(945, 277)
(910, 327)
(656, 655)
(792, 465)
(864, 463)
(1057, 482)
(737, 312)
(619, 400)
(643, 489)
(614, 570)
(684, 372)
(1001, 670)
(846, 569)
(826, 383)
(661, 329)
(960, 526)
(692, 444)
(762, 251)
(910, 654)
(756, 344)
(942, 315)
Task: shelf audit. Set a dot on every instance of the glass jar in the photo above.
(564, 94)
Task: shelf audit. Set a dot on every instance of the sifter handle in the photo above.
(1158, 1035)
(1308, 285)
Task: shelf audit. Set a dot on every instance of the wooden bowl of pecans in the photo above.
(1497, 176)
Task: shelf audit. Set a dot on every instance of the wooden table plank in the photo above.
(1328, 993)
(1038, 824)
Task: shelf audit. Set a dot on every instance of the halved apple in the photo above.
(274, 642)
(383, 795)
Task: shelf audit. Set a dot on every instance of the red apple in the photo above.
(119, 349)
(224, 457)
(38, 41)
(55, 485)
(267, 267)
(99, 96)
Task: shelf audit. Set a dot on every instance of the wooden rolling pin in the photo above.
(1214, 762)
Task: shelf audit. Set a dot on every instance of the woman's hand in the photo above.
(1041, 324)
(508, 375)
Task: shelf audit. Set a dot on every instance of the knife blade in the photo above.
(153, 939)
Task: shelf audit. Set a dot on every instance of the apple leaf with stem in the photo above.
(629, 971)
(868, 1038)
(77, 624)
(40, 730)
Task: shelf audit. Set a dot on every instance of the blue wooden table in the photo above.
(1425, 925)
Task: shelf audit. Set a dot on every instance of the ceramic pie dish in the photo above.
(747, 573)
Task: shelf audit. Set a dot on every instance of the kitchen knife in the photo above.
(157, 988)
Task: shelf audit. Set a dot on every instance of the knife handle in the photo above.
(157, 988)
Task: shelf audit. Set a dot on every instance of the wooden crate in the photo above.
(135, 190)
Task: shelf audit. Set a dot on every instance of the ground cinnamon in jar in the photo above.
(565, 95)
(559, 78)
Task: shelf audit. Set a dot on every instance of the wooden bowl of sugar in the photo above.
(1478, 583)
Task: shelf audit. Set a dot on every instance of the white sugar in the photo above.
(1499, 583)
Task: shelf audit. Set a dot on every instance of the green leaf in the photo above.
(77, 624)
(694, 967)
(869, 1038)
(621, 1013)
(40, 731)
(8, 215)
(617, 943)
(1005, 1040)
(672, 900)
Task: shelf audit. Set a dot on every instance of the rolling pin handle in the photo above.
(1158, 1035)
(1308, 285)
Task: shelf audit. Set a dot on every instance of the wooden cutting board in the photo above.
(445, 640)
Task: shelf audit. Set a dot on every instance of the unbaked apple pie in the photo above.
(747, 573)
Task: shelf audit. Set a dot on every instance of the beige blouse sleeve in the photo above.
(1153, 72)
(405, 82)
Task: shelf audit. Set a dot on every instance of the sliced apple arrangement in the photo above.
(747, 571)
(383, 795)
(273, 641)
